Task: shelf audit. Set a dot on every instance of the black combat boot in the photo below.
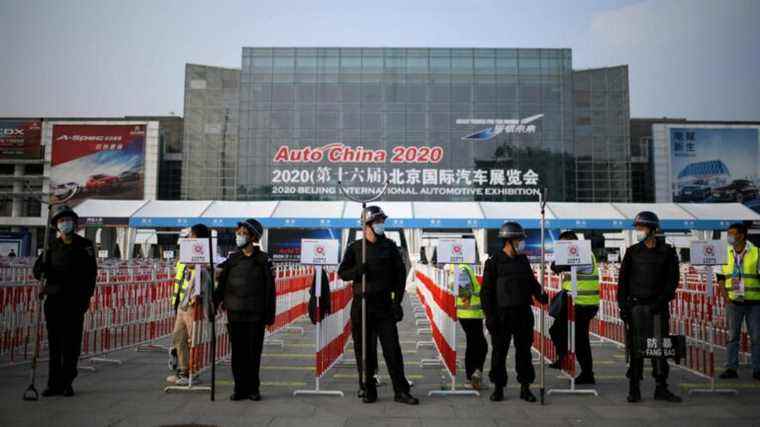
(634, 392)
(370, 394)
(498, 394)
(526, 394)
(661, 392)
(406, 398)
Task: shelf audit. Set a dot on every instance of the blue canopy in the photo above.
(437, 215)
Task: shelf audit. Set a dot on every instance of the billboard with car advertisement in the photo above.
(103, 161)
(714, 164)
(284, 244)
(20, 139)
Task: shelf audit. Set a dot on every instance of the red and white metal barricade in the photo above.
(131, 307)
(436, 292)
(332, 332)
(200, 357)
(292, 283)
(568, 363)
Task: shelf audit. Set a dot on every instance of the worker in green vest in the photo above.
(741, 283)
(470, 315)
(586, 307)
(184, 297)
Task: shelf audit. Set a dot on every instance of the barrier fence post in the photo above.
(211, 313)
(711, 341)
(542, 199)
(319, 342)
(443, 322)
(568, 362)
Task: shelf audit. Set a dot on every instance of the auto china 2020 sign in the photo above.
(410, 171)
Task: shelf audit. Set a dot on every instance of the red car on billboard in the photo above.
(100, 182)
(103, 160)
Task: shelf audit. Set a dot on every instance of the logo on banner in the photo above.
(319, 250)
(709, 251)
(12, 132)
(198, 249)
(509, 126)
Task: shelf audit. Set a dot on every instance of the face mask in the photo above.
(241, 241)
(66, 227)
(641, 235)
(378, 229)
(731, 240)
(520, 246)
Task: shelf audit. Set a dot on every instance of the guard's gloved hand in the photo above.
(398, 312)
(543, 298)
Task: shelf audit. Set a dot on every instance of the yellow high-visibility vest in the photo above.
(587, 286)
(468, 297)
(181, 281)
(749, 273)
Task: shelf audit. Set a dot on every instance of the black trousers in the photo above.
(558, 332)
(246, 341)
(380, 325)
(642, 326)
(512, 323)
(477, 346)
(64, 322)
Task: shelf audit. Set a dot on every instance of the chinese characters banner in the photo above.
(412, 171)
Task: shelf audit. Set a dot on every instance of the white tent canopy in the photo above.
(442, 215)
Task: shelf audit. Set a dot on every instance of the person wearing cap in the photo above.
(185, 297)
(509, 286)
(647, 282)
(740, 280)
(70, 270)
(586, 306)
(385, 274)
(246, 290)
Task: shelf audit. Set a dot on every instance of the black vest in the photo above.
(245, 290)
(515, 282)
(649, 271)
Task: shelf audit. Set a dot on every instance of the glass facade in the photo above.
(602, 141)
(210, 143)
(501, 118)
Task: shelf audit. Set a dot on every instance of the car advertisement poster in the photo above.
(97, 161)
(284, 244)
(714, 165)
(20, 139)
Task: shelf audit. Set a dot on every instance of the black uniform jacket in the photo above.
(247, 287)
(70, 269)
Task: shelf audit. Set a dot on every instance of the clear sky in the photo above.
(698, 59)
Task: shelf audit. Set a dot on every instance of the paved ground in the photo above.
(131, 395)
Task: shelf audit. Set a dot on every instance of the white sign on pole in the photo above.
(572, 252)
(102, 254)
(194, 251)
(708, 252)
(456, 251)
(319, 251)
(168, 254)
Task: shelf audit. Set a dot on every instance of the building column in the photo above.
(18, 188)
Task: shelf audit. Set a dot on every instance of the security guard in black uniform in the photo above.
(386, 278)
(70, 268)
(508, 286)
(247, 290)
(648, 279)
